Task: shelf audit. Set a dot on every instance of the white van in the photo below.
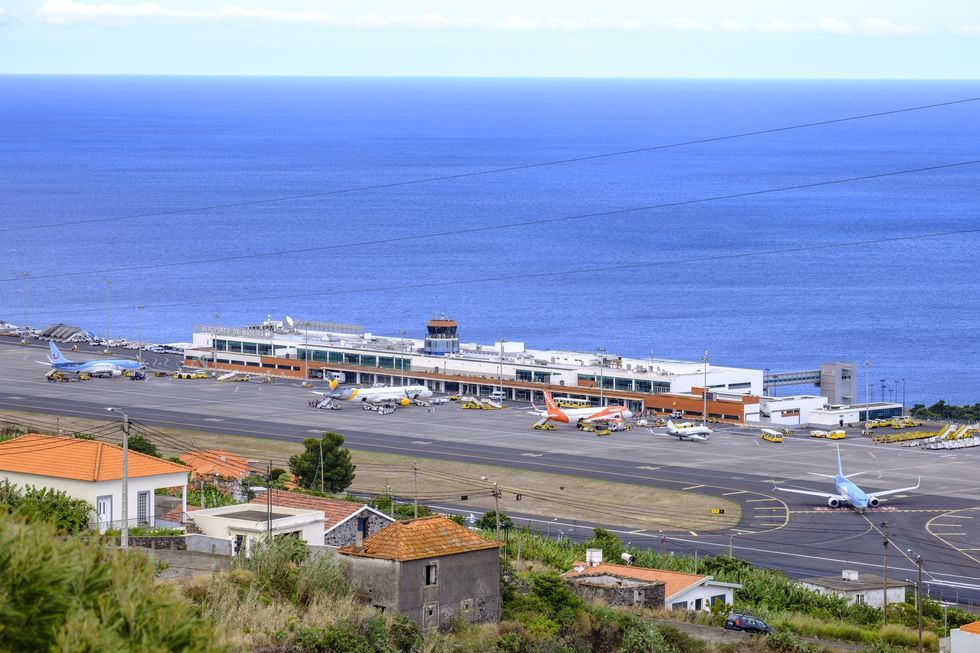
(497, 395)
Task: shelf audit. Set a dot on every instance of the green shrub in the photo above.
(67, 514)
(488, 521)
(644, 638)
(345, 637)
(73, 595)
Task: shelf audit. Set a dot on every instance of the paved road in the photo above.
(941, 521)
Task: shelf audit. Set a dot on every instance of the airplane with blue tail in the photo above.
(848, 493)
(100, 367)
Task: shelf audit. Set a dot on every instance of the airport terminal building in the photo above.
(315, 350)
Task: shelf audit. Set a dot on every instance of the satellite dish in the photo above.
(290, 322)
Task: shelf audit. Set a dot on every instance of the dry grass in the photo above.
(545, 495)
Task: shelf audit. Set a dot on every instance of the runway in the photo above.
(941, 521)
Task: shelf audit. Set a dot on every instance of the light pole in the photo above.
(496, 507)
(500, 369)
(401, 363)
(704, 393)
(23, 290)
(108, 286)
(601, 352)
(884, 387)
(867, 392)
(214, 344)
(124, 531)
(884, 573)
(903, 395)
(139, 332)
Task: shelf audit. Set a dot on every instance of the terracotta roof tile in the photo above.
(223, 463)
(428, 537)
(674, 581)
(83, 460)
(334, 510)
(972, 628)
(176, 515)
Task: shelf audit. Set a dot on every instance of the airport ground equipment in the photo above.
(909, 436)
(770, 436)
(543, 425)
(190, 375)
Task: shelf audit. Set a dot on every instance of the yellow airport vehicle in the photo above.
(836, 435)
(453, 397)
(160, 373)
(772, 436)
(471, 405)
(241, 378)
(546, 426)
(819, 434)
(190, 375)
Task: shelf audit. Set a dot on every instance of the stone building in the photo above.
(431, 570)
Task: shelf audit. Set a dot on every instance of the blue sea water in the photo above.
(80, 149)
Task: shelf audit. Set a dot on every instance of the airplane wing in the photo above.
(896, 491)
(825, 495)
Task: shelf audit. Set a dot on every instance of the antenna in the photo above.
(290, 321)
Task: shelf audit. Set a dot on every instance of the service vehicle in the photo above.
(772, 436)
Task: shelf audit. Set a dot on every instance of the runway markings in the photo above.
(768, 508)
(947, 534)
(648, 467)
(532, 455)
(421, 442)
(692, 487)
(14, 397)
(959, 517)
(941, 536)
(639, 532)
(213, 419)
(728, 494)
(766, 499)
(693, 533)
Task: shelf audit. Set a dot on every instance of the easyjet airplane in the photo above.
(554, 413)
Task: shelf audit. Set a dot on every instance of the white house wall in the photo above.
(964, 642)
(703, 592)
(90, 491)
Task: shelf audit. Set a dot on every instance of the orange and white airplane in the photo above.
(555, 413)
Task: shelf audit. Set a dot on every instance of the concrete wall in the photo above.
(346, 533)
(90, 491)
(963, 642)
(871, 596)
(373, 580)
(204, 544)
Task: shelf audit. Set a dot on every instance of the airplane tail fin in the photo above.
(332, 383)
(549, 402)
(840, 469)
(670, 425)
(54, 355)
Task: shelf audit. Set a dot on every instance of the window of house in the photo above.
(697, 604)
(431, 573)
(859, 598)
(679, 605)
(143, 508)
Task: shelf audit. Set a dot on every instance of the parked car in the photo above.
(747, 623)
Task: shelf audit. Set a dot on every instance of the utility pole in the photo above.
(268, 502)
(903, 395)
(415, 478)
(500, 369)
(663, 544)
(704, 393)
(884, 573)
(918, 597)
(601, 351)
(391, 500)
(496, 508)
(124, 531)
(321, 464)
(731, 537)
(214, 344)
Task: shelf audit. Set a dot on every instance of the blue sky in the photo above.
(570, 38)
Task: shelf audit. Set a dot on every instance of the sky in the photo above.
(873, 39)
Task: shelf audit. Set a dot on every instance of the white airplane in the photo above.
(97, 367)
(849, 493)
(554, 413)
(689, 432)
(400, 395)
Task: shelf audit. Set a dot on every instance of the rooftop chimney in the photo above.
(593, 557)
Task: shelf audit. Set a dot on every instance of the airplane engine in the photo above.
(874, 502)
(405, 402)
(833, 502)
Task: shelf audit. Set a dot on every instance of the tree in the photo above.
(337, 470)
(488, 521)
(143, 444)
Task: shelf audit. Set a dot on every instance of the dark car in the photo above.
(747, 623)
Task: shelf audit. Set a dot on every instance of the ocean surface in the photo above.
(152, 172)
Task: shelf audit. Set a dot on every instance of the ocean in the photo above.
(149, 172)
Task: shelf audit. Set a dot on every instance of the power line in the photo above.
(510, 225)
(490, 171)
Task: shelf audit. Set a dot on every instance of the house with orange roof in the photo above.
(92, 471)
(345, 522)
(965, 639)
(681, 591)
(211, 463)
(430, 570)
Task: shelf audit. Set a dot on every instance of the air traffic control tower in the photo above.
(441, 337)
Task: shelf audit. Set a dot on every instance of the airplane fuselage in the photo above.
(393, 393)
(852, 494)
